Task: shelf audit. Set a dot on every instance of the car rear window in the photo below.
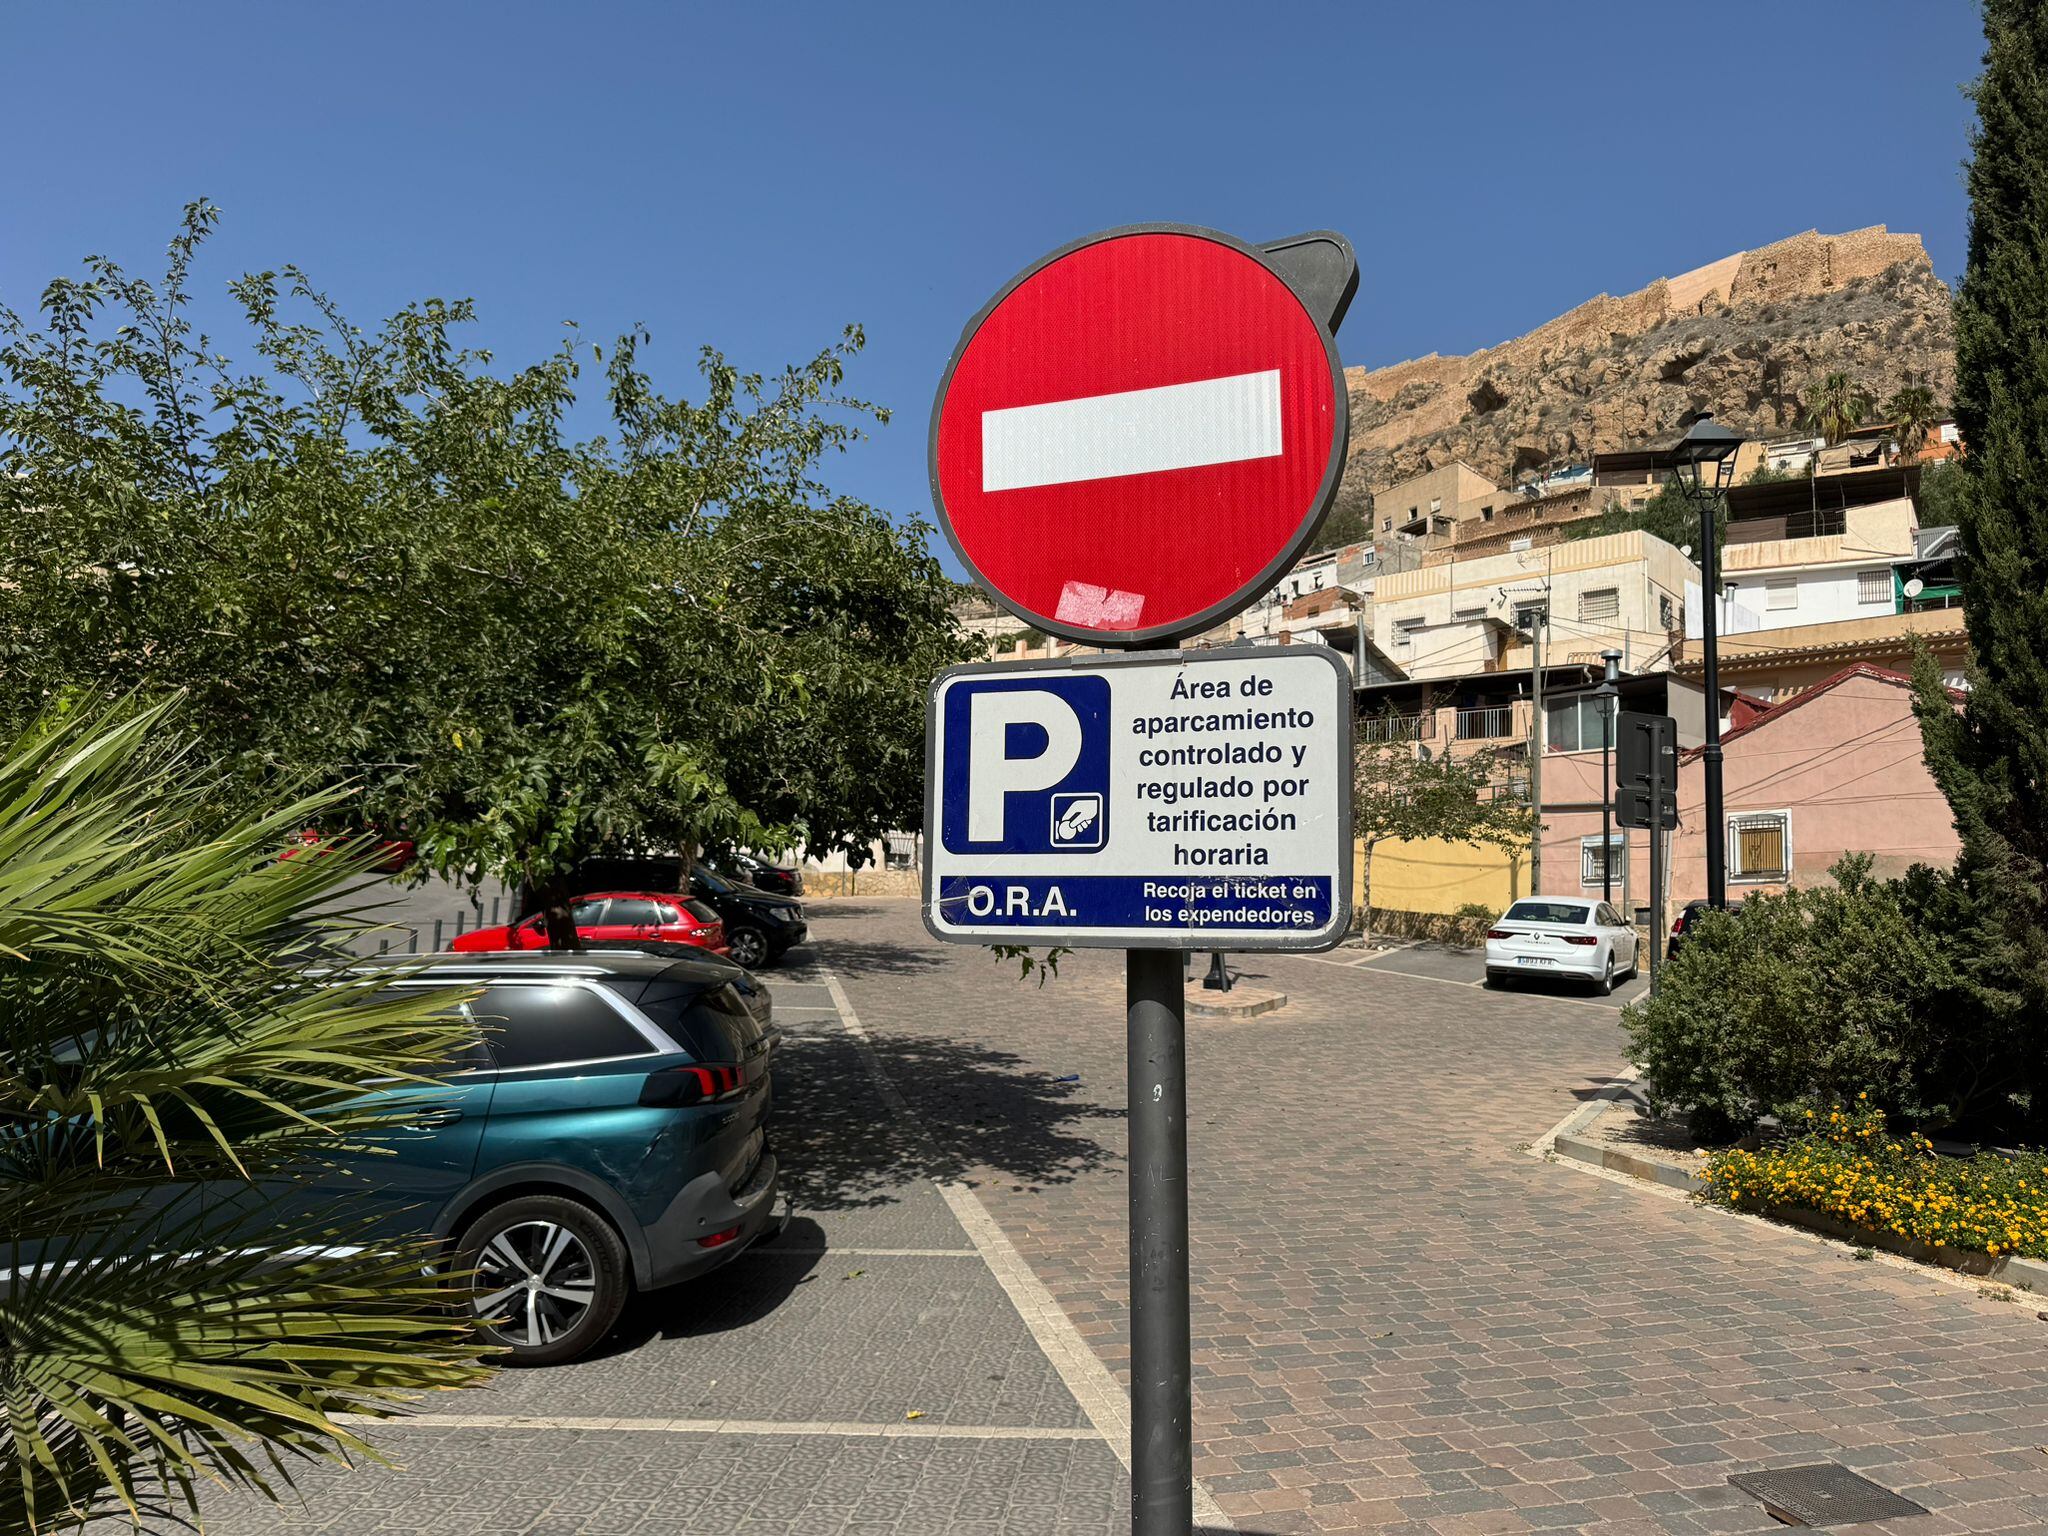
(703, 911)
(712, 1023)
(631, 912)
(1548, 912)
(543, 1024)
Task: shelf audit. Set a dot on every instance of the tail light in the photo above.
(710, 1083)
(1678, 925)
(1500, 933)
(1574, 938)
(719, 1239)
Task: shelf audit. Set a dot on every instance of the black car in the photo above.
(1688, 915)
(780, 879)
(760, 926)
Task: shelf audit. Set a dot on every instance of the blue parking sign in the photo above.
(1171, 800)
(1035, 760)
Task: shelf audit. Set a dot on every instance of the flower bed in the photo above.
(1847, 1166)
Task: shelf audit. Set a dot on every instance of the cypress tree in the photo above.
(1991, 760)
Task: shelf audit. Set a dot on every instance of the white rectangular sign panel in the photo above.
(1158, 800)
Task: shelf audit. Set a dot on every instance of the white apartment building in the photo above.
(1624, 591)
(1771, 584)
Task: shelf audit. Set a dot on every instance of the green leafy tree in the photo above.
(175, 1044)
(1914, 416)
(1669, 515)
(374, 555)
(1943, 487)
(1991, 759)
(1398, 792)
(1833, 405)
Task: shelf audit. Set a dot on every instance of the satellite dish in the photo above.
(1915, 587)
(1685, 550)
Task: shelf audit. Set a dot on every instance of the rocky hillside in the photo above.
(1740, 337)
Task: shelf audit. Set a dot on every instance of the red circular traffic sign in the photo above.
(1138, 434)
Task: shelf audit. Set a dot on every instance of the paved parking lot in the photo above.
(1403, 1320)
(1467, 967)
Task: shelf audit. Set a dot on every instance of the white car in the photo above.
(1561, 936)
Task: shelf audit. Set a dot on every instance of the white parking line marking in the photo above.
(919, 1429)
(1085, 1376)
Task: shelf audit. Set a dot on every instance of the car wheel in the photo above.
(1604, 987)
(548, 1277)
(749, 947)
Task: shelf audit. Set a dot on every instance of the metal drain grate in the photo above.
(1824, 1494)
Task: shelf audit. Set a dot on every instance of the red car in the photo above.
(610, 917)
(394, 853)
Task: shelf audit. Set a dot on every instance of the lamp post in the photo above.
(1609, 695)
(1704, 461)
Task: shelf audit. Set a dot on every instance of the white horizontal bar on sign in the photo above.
(1136, 432)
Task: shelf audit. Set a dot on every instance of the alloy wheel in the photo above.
(538, 1279)
(749, 947)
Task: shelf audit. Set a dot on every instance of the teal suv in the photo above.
(605, 1134)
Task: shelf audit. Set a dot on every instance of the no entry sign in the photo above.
(1165, 800)
(1145, 428)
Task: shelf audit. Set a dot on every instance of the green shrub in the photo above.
(1810, 997)
(1477, 909)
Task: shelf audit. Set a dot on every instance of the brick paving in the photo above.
(1403, 1321)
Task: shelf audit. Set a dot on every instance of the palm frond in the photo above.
(185, 1046)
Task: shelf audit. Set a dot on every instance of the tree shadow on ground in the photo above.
(977, 1111)
(858, 958)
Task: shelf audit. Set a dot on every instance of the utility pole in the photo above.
(1609, 698)
(1538, 621)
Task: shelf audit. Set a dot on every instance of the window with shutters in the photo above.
(1781, 592)
(1592, 866)
(1666, 615)
(1405, 631)
(1874, 586)
(1760, 845)
(1600, 607)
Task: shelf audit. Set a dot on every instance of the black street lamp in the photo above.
(1610, 697)
(1704, 461)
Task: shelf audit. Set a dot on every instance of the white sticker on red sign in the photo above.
(1138, 435)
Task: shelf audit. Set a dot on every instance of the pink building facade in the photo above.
(1836, 769)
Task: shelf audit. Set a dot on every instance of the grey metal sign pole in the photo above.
(1657, 939)
(1002, 812)
(1162, 1407)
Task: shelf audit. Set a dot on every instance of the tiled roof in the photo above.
(1778, 711)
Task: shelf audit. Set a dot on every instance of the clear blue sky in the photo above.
(756, 175)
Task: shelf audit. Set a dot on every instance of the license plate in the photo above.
(1534, 960)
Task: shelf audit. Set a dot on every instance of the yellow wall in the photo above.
(1430, 875)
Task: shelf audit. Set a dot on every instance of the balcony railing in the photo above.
(1397, 728)
(1486, 724)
